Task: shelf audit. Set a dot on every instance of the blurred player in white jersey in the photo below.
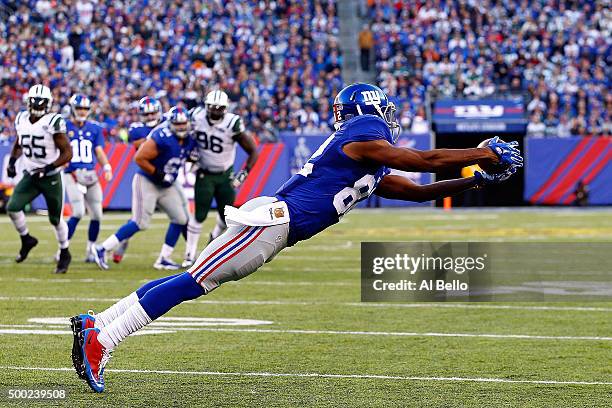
(42, 140)
(217, 132)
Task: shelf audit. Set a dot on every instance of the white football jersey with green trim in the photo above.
(216, 143)
(36, 139)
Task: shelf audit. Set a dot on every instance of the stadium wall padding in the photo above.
(555, 166)
(277, 162)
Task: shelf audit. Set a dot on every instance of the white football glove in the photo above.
(239, 178)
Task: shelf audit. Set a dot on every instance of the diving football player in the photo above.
(350, 165)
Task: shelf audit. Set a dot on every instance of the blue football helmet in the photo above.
(150, 111)
(179, 121)
(80, 106)
(365, 99)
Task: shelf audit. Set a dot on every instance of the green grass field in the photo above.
(320, 346)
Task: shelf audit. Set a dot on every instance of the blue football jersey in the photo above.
(138, 130)
(83, 141)
(171, 153)
(330, 184)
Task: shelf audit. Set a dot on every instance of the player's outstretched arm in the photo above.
(383, 153)
(401, 188)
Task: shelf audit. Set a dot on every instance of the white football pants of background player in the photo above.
(84, 191)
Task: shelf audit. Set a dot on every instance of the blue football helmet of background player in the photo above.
(150, 111)
(80, 106)
(365, 99)
(179, 121)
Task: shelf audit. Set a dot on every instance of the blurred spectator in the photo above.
(556, 52)
(366, 43)
(419, 123)
(535, 127)
(269, 56)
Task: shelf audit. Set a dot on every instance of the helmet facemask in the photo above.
(180, 129)
(38, 106)
(80, 113)
(151, 119)
(215, 113)
(388, 114)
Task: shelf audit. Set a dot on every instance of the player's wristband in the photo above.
(107, 168)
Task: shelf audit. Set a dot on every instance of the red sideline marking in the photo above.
(571, 178)
(259, 176)
(125, 161)
(266, 176)
(259, 167)
(231, 256)
(593, 173)
(196, 270)
(253, 174)
(560, 170)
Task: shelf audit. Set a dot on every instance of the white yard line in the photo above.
(403, 334)
(9, 329)
(317, 303)
(318, 375)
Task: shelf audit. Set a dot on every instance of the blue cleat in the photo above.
(99, 256)
(78, 324)
(95, 358)
(166, 264)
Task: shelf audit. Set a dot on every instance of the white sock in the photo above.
(19, 222)
(220, 227)
(61, 233)
(89, 245)
(194, 229)
(106, 317)
(166, 251)
(111, 242)
(133, 319)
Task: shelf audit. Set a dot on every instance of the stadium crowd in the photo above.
(278, 60)
(555, 52)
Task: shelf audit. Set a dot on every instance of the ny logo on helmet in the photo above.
(371, 97)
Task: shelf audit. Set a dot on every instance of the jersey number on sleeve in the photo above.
(82, 151)
(31, 147)
(212, 143)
